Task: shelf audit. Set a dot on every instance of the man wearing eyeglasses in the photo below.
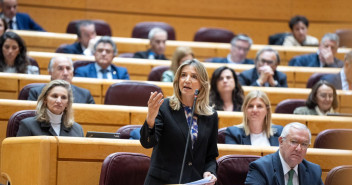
(264, 73)
(104, 51)
(287, 166)
(324, 57)
(240, 45)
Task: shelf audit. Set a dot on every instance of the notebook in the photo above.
(103, 135)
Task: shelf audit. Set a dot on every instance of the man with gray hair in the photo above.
(157, 41)
(324, 57)
(240, 45)
(61, 68)
(287, 166)
(264, 73)
(104, 52)
(342, 80)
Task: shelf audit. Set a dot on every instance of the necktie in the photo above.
(192, 123)
(290, 177)
(105, 73)
(10, 24)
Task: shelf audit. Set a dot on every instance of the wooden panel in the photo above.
(68, 171)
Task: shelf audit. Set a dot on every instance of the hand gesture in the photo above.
(154, 103)
(326, 56)
(213, 178)
(265, 73)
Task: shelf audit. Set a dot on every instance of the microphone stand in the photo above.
(188, 135)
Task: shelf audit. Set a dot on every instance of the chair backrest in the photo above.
(289, 105)
(233, 169)
(124, 168)
(80, 63)
(213, 35)
(130, 93)
(126, 55)
(334, 139)
(157, 72)
(221, 135)
(277, 38)
(345, 36)
(124, 132)
(14, 121)
(340, 175)
(101, 27)
(24, 93)
(141, 30)
(313, 79)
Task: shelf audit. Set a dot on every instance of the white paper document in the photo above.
(201, 181)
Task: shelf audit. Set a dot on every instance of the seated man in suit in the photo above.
(61, 68)
(342, 80)
(16, 20)
(104, 51)
(157, 40)
(324, 57)
(240, 45)
(287, 165)
(264, 73)
(85, 32)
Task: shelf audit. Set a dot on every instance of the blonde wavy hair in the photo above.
(202, 104)
(267, 120)
(41, 113)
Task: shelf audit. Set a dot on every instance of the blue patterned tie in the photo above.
(193, 125)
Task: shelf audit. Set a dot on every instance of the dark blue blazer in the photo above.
(268, 170)
(334, 79)
(236, 135)
(25, 22)
(74, 48)
(224, 60)
(80, 95)
(90, 71)
(312, 60)
(135, 133)
(250, 77)
(145, 55)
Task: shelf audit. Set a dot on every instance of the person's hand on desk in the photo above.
(154, 103)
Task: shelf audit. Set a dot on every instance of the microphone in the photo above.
(188, 135)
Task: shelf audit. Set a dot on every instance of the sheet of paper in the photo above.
(201, 181)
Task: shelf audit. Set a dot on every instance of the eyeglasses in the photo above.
(107, 51)
(268, 62)
(295, 144)
(241, 48)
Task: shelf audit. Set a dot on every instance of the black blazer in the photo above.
(236, 135)
(31, 127)
(168, 139)
(145, 55)
(80, 95)
(250, 77)
(268, 170)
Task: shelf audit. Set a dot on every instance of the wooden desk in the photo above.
(49, 42)
(68, 160)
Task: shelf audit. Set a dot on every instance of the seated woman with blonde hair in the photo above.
(54, 114)
(257, 128)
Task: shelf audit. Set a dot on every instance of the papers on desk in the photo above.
(201, 181)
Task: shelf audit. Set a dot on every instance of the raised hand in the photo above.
(154, 103)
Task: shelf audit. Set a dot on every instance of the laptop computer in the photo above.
(103, 135)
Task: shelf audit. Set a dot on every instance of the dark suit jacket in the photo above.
(236, 135)
(145, 55)
(168, 139)
(74, 48)
(31, 127)
(334, 79)
(312, 60)
(224, 60)
(250, 77)
(80, 95)
(25, 22)
(268, 171)
(90, 71)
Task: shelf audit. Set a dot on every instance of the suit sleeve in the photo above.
(293, 62)
(230, 138)
(149, 137)
(138, 55)
(23, 130)
(242, 79)
(79, 72)
(125, 75)
(90, 98)
(282, 80)
(33, 95)
(255, 176)
(34, 25)
(211, 164)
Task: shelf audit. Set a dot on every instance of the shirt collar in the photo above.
(344, 82)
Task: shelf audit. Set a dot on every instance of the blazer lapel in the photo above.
(302, 174)
(246, 139)
(201, 130)
(93, 71)
(278, 171)
(47, 126)
(114, 72)
(64, 131)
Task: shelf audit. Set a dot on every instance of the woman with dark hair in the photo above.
(3, 26)
(321, 100)
(226, 92)
(13, 55)
(54, 114)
